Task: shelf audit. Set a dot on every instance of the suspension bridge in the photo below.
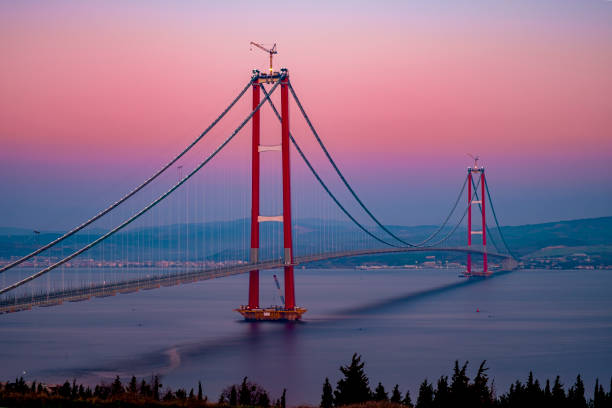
(217, 220)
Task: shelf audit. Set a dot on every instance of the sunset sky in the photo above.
(97, 95)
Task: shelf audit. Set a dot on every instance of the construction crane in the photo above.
(280, 293)
(476, 158)
(271, 51)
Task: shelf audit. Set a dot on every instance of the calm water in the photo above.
(408, 325)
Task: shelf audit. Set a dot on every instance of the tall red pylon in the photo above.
(479, 172)
(287, 231)
(254, 255)
(290, 311)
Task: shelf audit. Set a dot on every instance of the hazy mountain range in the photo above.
(573, 240)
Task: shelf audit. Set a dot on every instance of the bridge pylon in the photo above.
(253, 311)
(478, 172)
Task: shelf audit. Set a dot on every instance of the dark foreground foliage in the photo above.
(353, 390)
(135, 394)
(248, 394)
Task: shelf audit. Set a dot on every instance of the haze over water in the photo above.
(408, 325)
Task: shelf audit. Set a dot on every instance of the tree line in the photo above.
(133, 394)
(353, 388)
(461, 391)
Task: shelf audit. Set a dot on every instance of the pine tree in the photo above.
(533, 392)
(191, 394)
(199, 390)
(244, 396)
(547, 393)
(599, 395)
(514, 397)
(426, 393)
(459, 385)
(133, 386)
(63, 391)
(396, 395)
(283, 400)
(547, 400)
(145, 389)
(263, 400)
(355, 386)
(558, 393)
(442, 395)
(21, 387)
(181, 394)
(576, 394)
(481, 394)
(327, 398)
(233, 398)
(530, 384)
(75, 389)
(116, 387)
(407, 401)
(380, 394)
(156, 386)
(168, 396)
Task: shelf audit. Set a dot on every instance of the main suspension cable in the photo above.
(333, 197)
(350, 189)
(491, 237)
(148, 207)
(497, 223)
(132, 192)
(452, 211)
(333, 163)
(451, 232)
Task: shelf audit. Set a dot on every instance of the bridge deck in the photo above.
(171, 279)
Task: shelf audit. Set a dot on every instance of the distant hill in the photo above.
(591, 237)
(526, 239)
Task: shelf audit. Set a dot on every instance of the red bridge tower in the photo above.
(252, 311)
(478, 172)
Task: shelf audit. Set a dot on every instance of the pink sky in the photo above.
(392, 88)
